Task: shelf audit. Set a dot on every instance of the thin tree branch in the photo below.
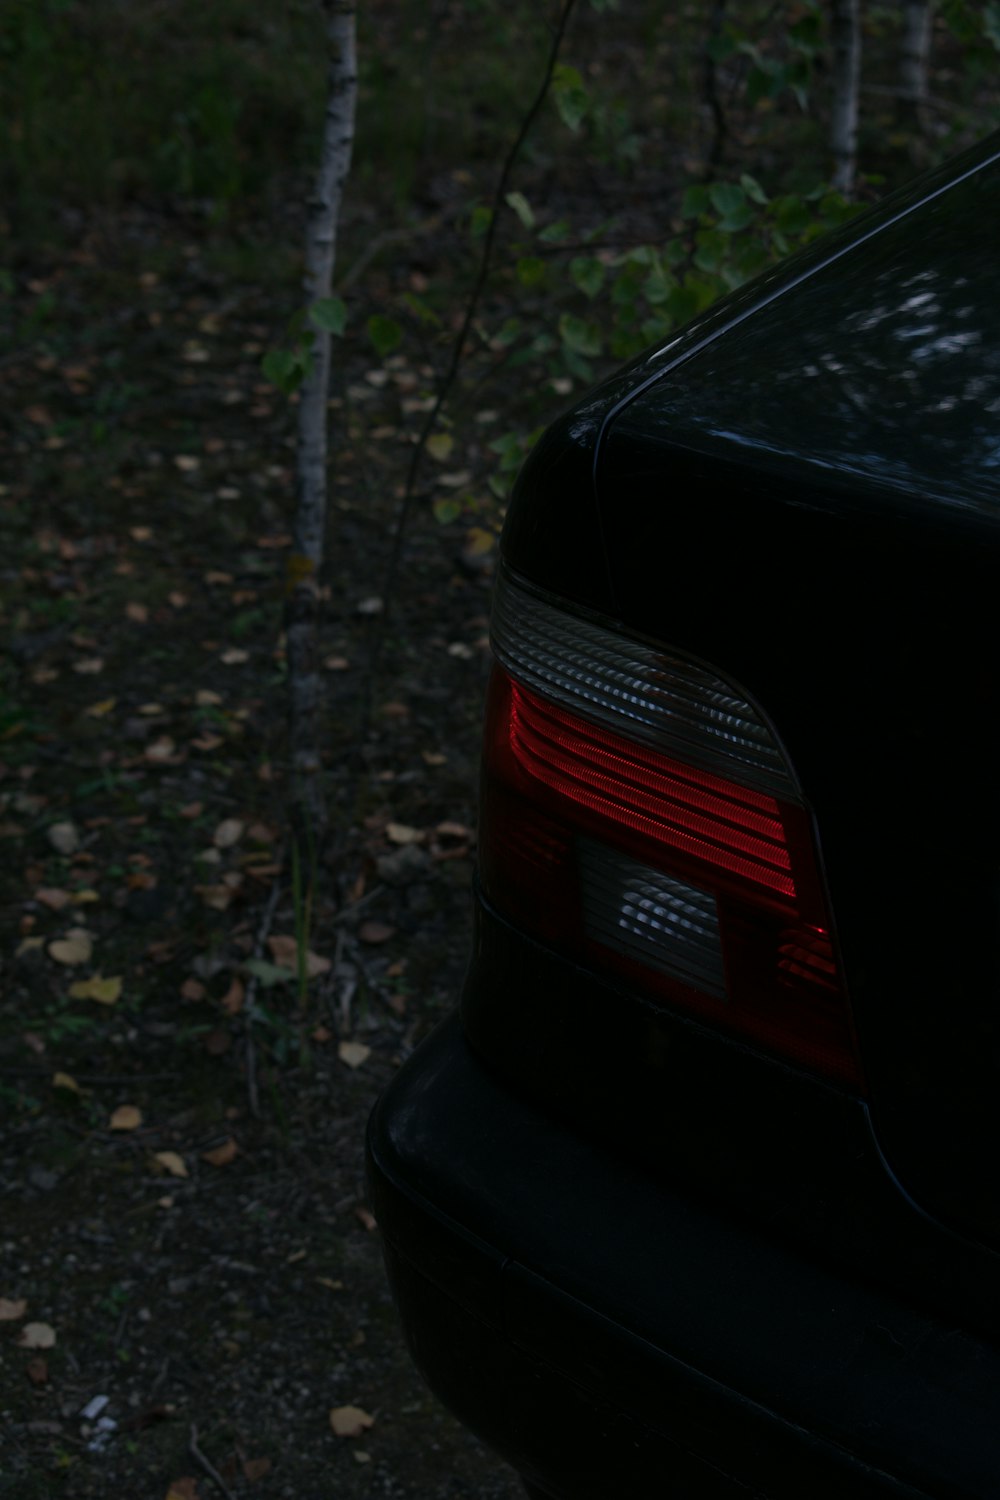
(458, 349)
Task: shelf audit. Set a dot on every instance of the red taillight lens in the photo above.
(699, 888)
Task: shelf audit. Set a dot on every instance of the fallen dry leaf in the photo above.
(65, 1081)
(100, 710)
(160, 750)
(221, 1156)
(37, 1336)
(125, 1117)
(375, 932)
(234, 656)
(353, 1053)
(137, 612)
(52, 897)
(104, 991)
(172, 1162)
(350, 1421)
(64, 838)
(12, 1308)
(402, 833)
(228, 833)
(184, 1488)
(89, 666)
(75, 948)
(366, 1218)
(217, 1042)
(232, 1000)
(284, 951)
(193, 990)
(449, 830)
(255, 1468)
(321, 1035)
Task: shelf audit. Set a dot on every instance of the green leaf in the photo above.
(753, 189)
(385, 334)
(519, 203)
(791, 215)
(286, 368)
(531, 270)
(553, 233)
(580, 336)
(991, 25)
(330, 314)
(587, 273)
(730, 203)
(420, 309)
(481, 219)
(711, 249)
(695, 201)
(659, 285)
(570, 96)
(446, 509)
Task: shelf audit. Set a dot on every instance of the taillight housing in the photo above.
(639, 815)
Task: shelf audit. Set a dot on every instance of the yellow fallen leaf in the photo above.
(100, 710)
(353, 1053)
(85, 897)
(234, 656)
(402, 833)
(37, 1336)
(206, 698)
(172, 1162)
(104, 991)
(221, 1156)
(75, 948)
(478, 542)
(228, 833)
(65, 1081)
(439, 445)
(125, 1117)
(160, 750)
(350, 1421)
(12, 1308)
(28, 945)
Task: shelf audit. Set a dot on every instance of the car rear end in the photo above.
(697, 1190)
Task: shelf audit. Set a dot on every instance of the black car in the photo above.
(697, 1195)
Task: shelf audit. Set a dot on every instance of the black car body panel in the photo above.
(801, 490)
(590, 1322)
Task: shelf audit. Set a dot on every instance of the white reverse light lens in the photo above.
(651, 917)
(634, 688)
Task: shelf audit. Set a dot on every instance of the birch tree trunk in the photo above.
(845, 30)
(915, 58)
(309, 524)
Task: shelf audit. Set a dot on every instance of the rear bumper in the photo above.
(610, 1336)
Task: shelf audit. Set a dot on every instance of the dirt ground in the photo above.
(190, 1280)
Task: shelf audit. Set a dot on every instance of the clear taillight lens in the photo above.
(640, 816)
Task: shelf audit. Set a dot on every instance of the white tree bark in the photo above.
(309, 524)
(845, 31)
(915, 56)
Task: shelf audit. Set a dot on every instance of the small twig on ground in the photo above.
(209, 1468)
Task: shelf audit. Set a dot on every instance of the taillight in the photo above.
(639, 815)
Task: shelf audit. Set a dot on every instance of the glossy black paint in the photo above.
(626, 1340)
(802, 490)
